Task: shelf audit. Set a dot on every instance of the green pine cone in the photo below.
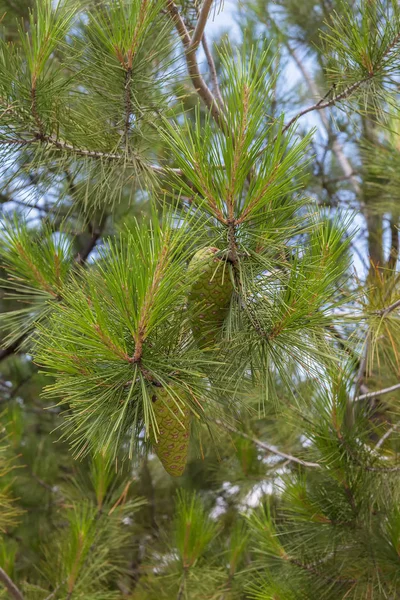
(172, 444)
(210, 295)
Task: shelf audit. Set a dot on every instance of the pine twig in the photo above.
(193, 67)
(200, 26)
(363, 363)
(80, 259)
(213, 70)
(336, 146)
(53, 593)
(10, 586)
(383, 312)
(182, 585)
(128, 104)
(270, 449)
(386, 435)
(370, 395)
(320, 105)
(62, 145)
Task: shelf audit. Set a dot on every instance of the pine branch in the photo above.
(10, 586)
(53, 593)
(80, 259)
(84, 152)
(314, 571)
(336, 146)
(385, 311)
(363, 362)
(213, 70)
(96, 234)
(386, 435)
(200, 26)
(321, 105)
(193, 67)
(270, 449)
(181, 589)
(370, 395)
(128, 104)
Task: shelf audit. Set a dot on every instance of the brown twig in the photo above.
(53, 593)
(336, 146)
(322, 105)
(213, 70)
(200, 25)
(383, 312)
(84, 152)
(193, 67)
(266, 447)
(181, 589)
(10, 586)
(128, 104)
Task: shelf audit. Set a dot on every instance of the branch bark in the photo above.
(386, 435)
(62, 145)
(213, 70)
(383, 312)
(10, 586)
(200, 25)
(268, 448)
(193, 67)
(336, 146)
(322, 105)
(370, 395)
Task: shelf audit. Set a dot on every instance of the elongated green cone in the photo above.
(172, 443)
(210, 295)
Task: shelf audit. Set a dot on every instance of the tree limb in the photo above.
(386, 435)
(96, 234)
(65, 146)
(336, 146)
(213, 70)
(378, 393)
(322, 105)
(193, 67)
(264, 446)
(200, 26)
(10, 586)
(383, 312)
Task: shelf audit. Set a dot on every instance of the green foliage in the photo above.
(9, 511)
(249, 170)
(364, 46)
(193, 529)
(38, 263)
(124, 158)
(120, 329)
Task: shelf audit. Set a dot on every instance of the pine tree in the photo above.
(199, 373)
